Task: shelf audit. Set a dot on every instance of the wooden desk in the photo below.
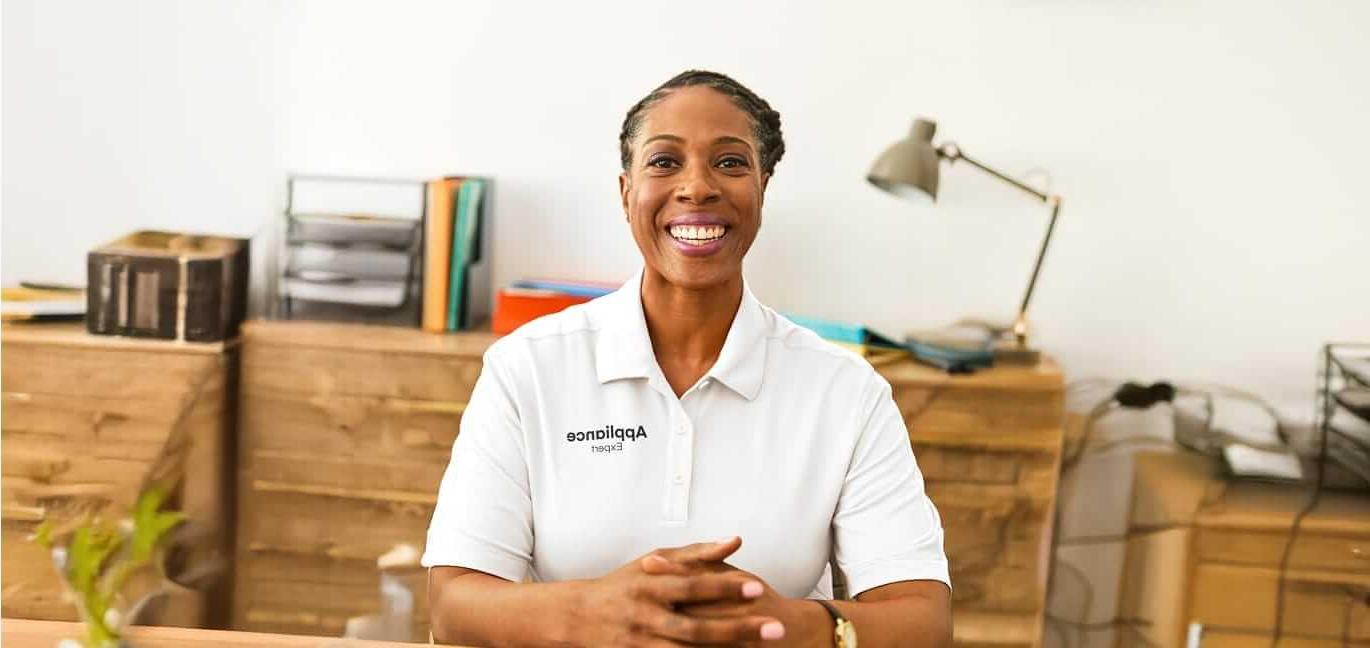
(347, 429)
(989, 446)
(26, 633)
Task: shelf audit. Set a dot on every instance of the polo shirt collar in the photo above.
(624, 348)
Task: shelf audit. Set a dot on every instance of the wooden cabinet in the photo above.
(1238, 551)
(1204, 550)
(989, 445)
(84, 419)
(346, 431)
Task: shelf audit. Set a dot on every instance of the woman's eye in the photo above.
(732, 163)
(661, 162)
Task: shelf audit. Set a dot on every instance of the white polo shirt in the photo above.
(575, 457)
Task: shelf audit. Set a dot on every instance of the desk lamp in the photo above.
(909, 169)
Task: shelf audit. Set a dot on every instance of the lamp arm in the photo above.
(953, 153)
(1020, 324)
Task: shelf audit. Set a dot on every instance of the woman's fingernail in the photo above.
(772, 631)
(752, 589)
(727, 540)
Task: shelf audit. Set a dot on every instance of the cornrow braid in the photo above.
(765, 121)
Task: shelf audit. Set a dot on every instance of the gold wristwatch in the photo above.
(844, 633)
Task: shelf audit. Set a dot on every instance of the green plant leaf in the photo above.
(42, 534)
(150, 525)
(91, 545)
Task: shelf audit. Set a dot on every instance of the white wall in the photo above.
(1211, 154)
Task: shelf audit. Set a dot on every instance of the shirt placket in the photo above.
(679, 465)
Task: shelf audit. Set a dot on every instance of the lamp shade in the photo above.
(909, 167)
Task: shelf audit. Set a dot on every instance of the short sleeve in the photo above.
(484, 516)
(885, 528)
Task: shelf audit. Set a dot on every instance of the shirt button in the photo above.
(680, 430)
(679, 478)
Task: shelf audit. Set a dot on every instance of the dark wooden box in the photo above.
(168, 286)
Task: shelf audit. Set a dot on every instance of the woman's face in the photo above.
(694, 189)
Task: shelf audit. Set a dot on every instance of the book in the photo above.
(437, 252)
(515, 307)
(591, 289)
(464, 246)
(952, 359)
(845, 332)
(43, 310)
(960, 347)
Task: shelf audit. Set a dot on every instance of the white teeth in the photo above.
(697, 235)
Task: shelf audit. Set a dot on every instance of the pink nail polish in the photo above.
(752, 589)
(772, 631)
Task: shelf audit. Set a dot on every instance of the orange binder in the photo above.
(437, 252)
(515, 307)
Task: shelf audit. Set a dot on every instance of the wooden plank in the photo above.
(74, 334)
(61, 448)
(338, 526)
(350, 426)
(1316, 604)
(363, 337)
(267, 563)
(975, 628)
(997, 589)
(1045, 377)
(310, 370)
(92, 417)
(940, 463)
(1221, 638)
(103, 373)
(995, 421)
(974, 495)
(361, 473)
(1266, 507)
(26, 633)
(1311, 550)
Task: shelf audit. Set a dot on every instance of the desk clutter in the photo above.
(1344, 412)
(398, 252)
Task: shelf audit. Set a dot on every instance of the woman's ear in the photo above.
(623, 187)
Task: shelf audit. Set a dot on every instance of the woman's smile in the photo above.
(698, 234)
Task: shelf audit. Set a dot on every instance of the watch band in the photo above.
(832, 611)
(844, 635)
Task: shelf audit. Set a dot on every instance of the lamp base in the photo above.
(1011, 353)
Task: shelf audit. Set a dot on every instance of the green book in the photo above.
(463, 242)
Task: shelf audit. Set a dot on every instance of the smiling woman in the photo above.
(697, 154)
(740, 425)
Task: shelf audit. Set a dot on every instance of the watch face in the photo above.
(846, 634)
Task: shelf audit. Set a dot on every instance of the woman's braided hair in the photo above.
(765, 122)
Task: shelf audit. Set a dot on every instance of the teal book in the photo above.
(844, 332)
(464, 242)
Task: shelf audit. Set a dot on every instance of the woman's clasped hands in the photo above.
(680, 596)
